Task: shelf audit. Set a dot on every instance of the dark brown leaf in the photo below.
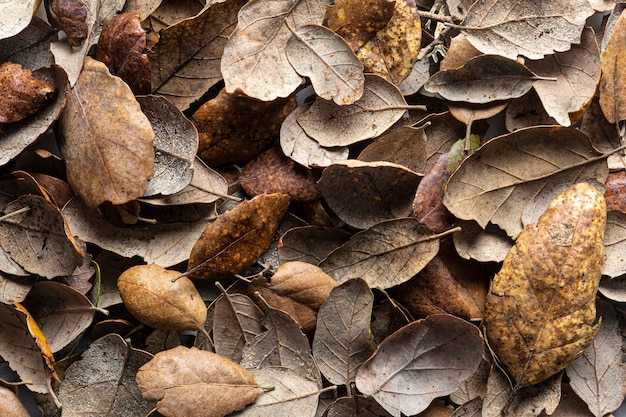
(71, 17)
(21, 94)
(310, 244)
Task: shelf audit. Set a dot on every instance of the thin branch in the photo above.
(14, 213)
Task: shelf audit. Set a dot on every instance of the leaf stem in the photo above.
(14, 213)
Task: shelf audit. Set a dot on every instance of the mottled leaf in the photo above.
(21, 94)
(611, 88)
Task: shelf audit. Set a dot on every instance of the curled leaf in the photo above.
(21, 94)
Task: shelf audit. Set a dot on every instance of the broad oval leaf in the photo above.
(192, 382)
(540, 310)
(495, 183)
(342, 339)
(381, 105)
(106, 141)
(532, 29)
(320, 54)
(384, 255)
(420, 362)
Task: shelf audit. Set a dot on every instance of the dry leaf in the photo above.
(103, 381)
(10, 404)
(363, 194)
(420, 73)
(384, 255)
(323, 56)
(106, 141)
(570, 406)
(16, 15)
(237, 238)
(381, 105)
(342, 339)
(495, 183)
(614, 244)
(612, 80)
(459, 52)
(599, 376)
(527, 111)
(310, 244)
(604, 135)
(540, 311)
(30, 47)
(484, 245)
(14, 289)
(161, 298)
(532, 29)
(423, 360)
(71, 17)
(191, 382)
(22, 94)
(355, 406)
(255, 58)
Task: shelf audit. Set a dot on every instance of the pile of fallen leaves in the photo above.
(312, 208)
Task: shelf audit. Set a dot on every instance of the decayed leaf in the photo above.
(385, 255)
(16, 15)
(18, 347)
(191, 382)
(121, 47)
(540, 311)
(161, 298)
(299, 289)
(482, 79)
(534, 30)
(103, 381)
(10, 404)
(612, 94)
(323, 56)
(71, 17)
(495, 183)
(381, 105)
(186, 60)
(310, 244)
(175, 143)
(237, 238)
(342, 338)
(392, 52)
(599, 376)
(363, 194)
(21, 94)
(106, 141)
(61, 312)
(413, 366)
(40, 339)
(38, 238)
(255, 59)
(615, 244)
(577, 74)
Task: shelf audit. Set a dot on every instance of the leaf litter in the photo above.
(318, 202)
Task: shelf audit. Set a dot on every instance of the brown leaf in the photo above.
(342, 339)
(235, 128)
(22, 94)
(384, 255)
(323, 56)
(615, 244)
(412, 366)
(612, 80)
(481, 80)
(38, 238)
(273, 172)
(459, 52)
(356, 406)
(310, 244)
(599, 376)
(161, 298)
(420, 73)
(122, 47)
(14, 289)
(103, 381)
(357, 21)
(468, 113)
(30, 47)
(495, 183)
(537, 29)
(570, 405)
(363, 194)
(604, 135)
(237, 238)
(71, 17)
(10, 404)
(527, 111)
(297, 288)
(540, 310)
(484, 245)
(255, 58)
(106, 141)
(191, 382)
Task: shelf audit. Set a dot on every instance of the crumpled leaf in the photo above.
(534, 30)
(38, 239)
(71, 17)
(161, 298)
(189, 382)
(103, 381)
(106, 141)
(540, 310)
(320, 54)
(481, 80)
(384, 255)
(186, 60)
(381, 105)
(495, 183)
(363, 194)
(237, 238)
(599, 376)
(175, 146)
(255, 59)
(16, 15)
(10, 404)
(611, 88)
(342, 339)
(22, 94)
(121, 47)
(412, 367)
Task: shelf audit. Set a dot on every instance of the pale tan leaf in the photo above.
(16, 15)
(14, 289)
(615, 244)
(484, 245)
(611, 88)
(10, 404)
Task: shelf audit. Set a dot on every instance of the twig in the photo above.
(436, 17)
(14, 213)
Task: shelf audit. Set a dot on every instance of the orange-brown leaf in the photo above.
(21, 94)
